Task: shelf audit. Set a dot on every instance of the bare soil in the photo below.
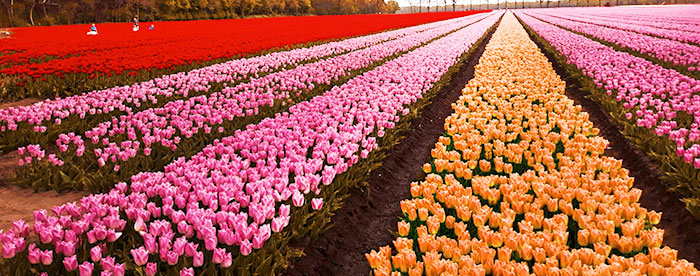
(20, 203)
(22, 102)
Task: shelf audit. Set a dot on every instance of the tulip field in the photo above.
(60, 60)
(540, 197)
(237, 156)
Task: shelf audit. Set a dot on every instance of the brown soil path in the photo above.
(368, 215)
(20, 203)
(22, 102)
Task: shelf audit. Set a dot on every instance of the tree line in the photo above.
(52, 12)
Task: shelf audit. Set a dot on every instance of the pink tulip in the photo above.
(119, 270)
(198, 259)
(140, 256)
(47, 257)
(34, 255)
(21, 228)
(246, 247)
(298, 199)
(187, 272)
(172, 258)
(96, 254)
(86, 268)
(316, 203)
(107, 263)
(71, 263)
(151, 269)
(8, 250)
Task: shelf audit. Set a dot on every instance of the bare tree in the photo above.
(428, 5)
(10, 7)
(31, 10)
(454, 2)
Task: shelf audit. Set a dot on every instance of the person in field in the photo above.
(136, 22)
(152, 27)
(93, 30)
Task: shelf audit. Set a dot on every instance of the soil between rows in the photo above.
(681, 231)
(369, 214)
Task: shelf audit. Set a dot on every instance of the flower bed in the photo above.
(640, 24)
(519, 185)
(233, 207)
(670, 53)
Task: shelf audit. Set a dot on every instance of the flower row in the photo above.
(677, 31)
(671, 51)
(23, 124)
(235, 196)
(519, 185)
(676, 17)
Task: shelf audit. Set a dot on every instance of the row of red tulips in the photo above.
(66, 62)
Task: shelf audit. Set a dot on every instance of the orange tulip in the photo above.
(427, 168)
(423, 214)
(654, 269)
(654, 217)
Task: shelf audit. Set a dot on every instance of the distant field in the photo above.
(68, 62)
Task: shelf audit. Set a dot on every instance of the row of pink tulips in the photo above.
(230, 198)
(655, 95)
(35, 119)
(668, 17)
(137, 133)
(675, 52)
(681, 34)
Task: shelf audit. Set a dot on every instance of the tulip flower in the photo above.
(71, 263)
(316, 203)
(140, 255)
(119, 269)
(246, 247)
(96, 254)
(47, 257)
(198, 259)
(86, 268)
(151, 269)
(35, 255)
(187, 272)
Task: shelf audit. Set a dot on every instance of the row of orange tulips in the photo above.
(519, 185)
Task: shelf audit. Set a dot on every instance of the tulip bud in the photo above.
(316, 203)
